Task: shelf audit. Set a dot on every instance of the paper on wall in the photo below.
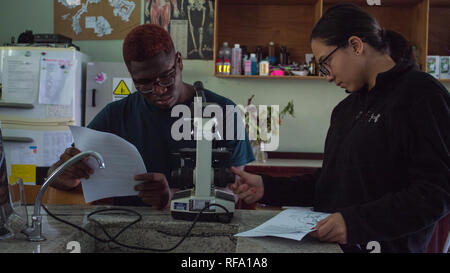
(24, 154)
(122, 162)
(26, 172)
(56, 81)
(20, 79)
(90, 22)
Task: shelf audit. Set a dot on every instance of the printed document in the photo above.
(292, 223)
(122, 162)
(57, 81)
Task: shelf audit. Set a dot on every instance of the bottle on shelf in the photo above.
(259, 54)
(272, 58)
(219, 66)
(226, 51)
(283, 55)
(226, 67)
(236, 60)
(264, 68)
(254, 63)
(220, 54)
(247, 66)
(312, 67)
(244, 56)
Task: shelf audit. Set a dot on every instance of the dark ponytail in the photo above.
(342, 21)
(399, 47)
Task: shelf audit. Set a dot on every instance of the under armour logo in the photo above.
(374, 118)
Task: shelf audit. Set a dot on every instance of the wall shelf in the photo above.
(271, 77)
(289, 22)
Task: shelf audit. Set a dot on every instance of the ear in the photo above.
(356, 44)
(180, 61)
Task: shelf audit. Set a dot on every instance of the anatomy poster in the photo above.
(189, 22)
(96, 19)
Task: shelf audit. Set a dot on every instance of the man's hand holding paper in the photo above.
(122, 161)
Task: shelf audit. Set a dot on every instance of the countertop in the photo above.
(278, 162)
(158, 229)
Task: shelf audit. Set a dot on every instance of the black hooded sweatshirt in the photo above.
(386, 164)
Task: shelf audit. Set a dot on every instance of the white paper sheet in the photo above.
(55, 80)
(55, 143)
(20, 79)
(23, 153)
(122, 162)
(293, 223)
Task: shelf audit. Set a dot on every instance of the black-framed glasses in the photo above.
(323, 70)
(166, 80)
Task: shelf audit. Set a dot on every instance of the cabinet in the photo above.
(289, 22)
(438, 32)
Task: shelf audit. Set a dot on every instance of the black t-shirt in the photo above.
(149, 129)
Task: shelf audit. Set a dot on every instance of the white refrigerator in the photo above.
(42, 92)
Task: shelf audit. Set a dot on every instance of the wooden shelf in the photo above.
(444, 80)
(290, 22)
(439, 34)
(256, 23)
(384, 3)
(270, 77)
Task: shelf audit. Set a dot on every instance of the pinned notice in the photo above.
(121, 88)
(26, 172)
(56, 78)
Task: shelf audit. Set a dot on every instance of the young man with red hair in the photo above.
(144, 117)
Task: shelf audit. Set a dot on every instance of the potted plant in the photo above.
(264, 129)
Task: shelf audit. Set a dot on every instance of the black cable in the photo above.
(113, 238)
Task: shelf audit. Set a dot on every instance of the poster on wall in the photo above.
(189, 22)
(96, 19)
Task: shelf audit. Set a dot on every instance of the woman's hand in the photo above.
(249, 187)
(331, 229)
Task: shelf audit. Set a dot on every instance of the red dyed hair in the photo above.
(146, 41)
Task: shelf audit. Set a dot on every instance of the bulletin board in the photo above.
(189, 22)
(96, 19)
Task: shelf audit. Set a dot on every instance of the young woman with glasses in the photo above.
(386, 168)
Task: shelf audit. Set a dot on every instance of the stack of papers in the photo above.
(293, 223)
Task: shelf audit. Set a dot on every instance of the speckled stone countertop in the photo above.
(157, 230)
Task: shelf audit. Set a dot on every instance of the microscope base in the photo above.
(186, 206)
(204, 217)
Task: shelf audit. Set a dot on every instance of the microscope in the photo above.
(203, 168)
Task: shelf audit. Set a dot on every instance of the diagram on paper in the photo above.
(189, 22)
(292, 223)
(102, 27)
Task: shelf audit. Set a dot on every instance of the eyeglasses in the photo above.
(323, 70)
(167, 80)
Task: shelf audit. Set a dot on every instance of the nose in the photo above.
(159, 90)
(330, 78)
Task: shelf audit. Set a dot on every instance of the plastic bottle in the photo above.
(226, 51)
(219, 66)
(244, 56)
(259, 54)
(226, 67)
(254, 64)
(220, 54)
(236, 65)
(247, 66)
(312, 67)
(272, 58)
(264, 68)
(283, 55)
